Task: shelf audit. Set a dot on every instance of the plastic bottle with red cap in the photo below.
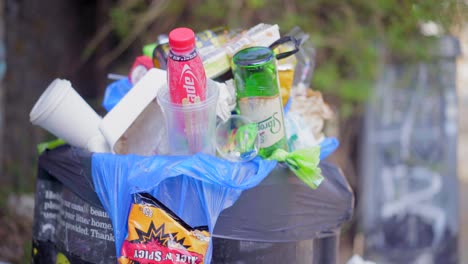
(185, 73)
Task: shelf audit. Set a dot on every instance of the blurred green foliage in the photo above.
(350, 36)
(120, 21)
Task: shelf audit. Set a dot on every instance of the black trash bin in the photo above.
(279, 221)
(284, 221)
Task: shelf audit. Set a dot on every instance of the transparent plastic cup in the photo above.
(237, 139)
(191, 127)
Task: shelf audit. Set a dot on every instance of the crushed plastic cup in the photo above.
(190, 127)
(64, 113)
(237, 139)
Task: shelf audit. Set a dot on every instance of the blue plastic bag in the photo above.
(115, 92)
(197, 188)
(328, 146)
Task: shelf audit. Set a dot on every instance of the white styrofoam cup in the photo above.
(64, 113)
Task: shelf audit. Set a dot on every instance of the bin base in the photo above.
(316, 251)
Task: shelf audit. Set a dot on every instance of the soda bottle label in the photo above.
(186, 78)
(266, 112)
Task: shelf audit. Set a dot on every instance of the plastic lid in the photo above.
(253, 56)
(182, 39)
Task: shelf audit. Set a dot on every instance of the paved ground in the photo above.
(463, 243)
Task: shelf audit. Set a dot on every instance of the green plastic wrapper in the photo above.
(41, 147)
(303, 162)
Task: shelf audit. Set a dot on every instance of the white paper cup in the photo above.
(64, 113)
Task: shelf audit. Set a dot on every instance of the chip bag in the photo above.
(157, 235)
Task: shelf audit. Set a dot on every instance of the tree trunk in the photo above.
(44, 41)
(2, 87)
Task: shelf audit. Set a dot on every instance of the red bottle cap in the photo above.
(182, 39)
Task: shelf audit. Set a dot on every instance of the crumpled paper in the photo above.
(306, 119)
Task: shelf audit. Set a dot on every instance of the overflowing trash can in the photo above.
(197, 160)
(409, 191)
(280, 220)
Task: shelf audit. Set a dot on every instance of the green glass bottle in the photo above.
(258, 96)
